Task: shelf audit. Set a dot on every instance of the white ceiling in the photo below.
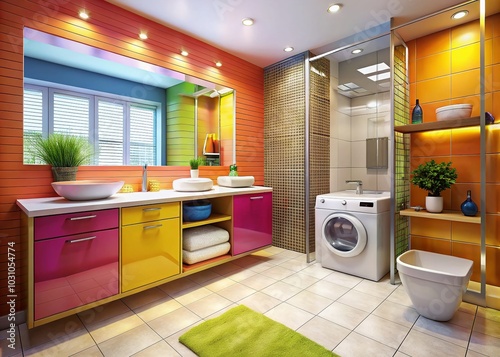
(302, 24)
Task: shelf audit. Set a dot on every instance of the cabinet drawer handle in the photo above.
(80, 240)
(151, 209)
(151, 227)
(257, 198)
(82, 217)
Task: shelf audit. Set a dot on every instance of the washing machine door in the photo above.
(344, 235)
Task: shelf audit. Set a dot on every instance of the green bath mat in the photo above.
(243, 332)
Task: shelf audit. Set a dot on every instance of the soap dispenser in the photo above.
(233, 170)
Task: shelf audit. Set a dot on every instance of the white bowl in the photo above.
(192, 184)
(456, 111)
(235, 181)
(83, 190)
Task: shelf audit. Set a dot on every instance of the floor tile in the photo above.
(300, 280)
(218, 283)
(278, 272)
(182, 350)
(487, 327)
(104, 312)
(144, 297)
(381, 289)
(418, 344)
(260, 302)
(174, 321)
(104, 330)
(160, 348)
(490, 314)
(317, 271)
(129, 342)
(296, 264)
(93, 351)
(446, 331)
(208, 305)
(400, 314)
(327, 289)
(348, 281)
(289, 315)
(309, 302)
(240, 274)
(355, 345)
(204, 276)
(384, 331)
(324, 332)
(400, 296)
(344, 315)
(225, 268)
(236, 292)
(190, 295)
(258, 281)
(484, 344)
(281, 291)
(61, 344)
(360, 300)
(158, 308)
(178, 285)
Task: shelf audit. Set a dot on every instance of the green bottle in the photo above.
(233, 170)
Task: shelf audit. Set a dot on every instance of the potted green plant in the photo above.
(434, 178)
(63, 152)
(194, 164)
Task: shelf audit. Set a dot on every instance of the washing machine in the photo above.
(352, 233)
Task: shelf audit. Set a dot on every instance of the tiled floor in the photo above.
(349, 315)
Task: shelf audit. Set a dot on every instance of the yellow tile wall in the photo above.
(444, 70)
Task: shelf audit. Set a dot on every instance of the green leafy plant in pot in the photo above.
(194, 164)
(434, 178)
(63, 152)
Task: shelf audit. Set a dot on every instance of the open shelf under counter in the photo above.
(455, 216)
(214, 217)
(438, 125)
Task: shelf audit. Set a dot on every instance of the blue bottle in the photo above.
(468, 207)
(417, 115)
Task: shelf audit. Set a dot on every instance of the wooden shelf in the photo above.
(444, 216)
(214, 217)
(438, 125)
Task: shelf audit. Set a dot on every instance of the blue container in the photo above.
(198, 210)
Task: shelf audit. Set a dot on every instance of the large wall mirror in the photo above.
(132, 112)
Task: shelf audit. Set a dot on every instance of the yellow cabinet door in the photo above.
(150, 252)
(148, 213)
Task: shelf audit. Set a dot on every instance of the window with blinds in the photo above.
(123, 132)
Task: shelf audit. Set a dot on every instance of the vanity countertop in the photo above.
(36, 207)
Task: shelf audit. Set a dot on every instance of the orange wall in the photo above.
(115, 30)
(444, 70)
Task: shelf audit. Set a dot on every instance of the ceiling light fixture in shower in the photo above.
(288, 49)
(459, 15)
(247, 21)
(356, 51)
(334, 8)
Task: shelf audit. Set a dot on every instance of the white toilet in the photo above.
(434, 282)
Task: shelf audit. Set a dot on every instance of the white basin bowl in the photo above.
(456, 111)
(192, 184)
(235, 181)
(83, 190)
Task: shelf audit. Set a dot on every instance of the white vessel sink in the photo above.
(84, 190)
(235, 181)
(192, 184)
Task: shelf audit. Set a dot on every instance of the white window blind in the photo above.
(71, 114)
(110, 118)
(142, 135)
(33, 119)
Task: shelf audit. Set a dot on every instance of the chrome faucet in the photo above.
(359, 186)
(145, 178)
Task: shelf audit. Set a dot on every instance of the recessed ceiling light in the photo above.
(288, 49)
(356, 51)
(143, 36)
(83, 14)
(247, 21)
(184, 53)
(334, 8)
(218, 64)
(459, 15)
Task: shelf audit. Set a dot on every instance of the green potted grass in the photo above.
(63, 152)
(434, 178)
(194, 164)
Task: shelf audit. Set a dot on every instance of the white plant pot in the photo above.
(434, 204)
(194, 173)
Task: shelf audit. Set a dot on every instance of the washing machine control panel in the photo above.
(344, 202)
(360, 204)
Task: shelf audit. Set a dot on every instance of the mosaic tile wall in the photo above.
(284, 143)
(402, 150)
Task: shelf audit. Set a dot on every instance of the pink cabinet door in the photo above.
(75, 270)
(252, 221)
(74, 223)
